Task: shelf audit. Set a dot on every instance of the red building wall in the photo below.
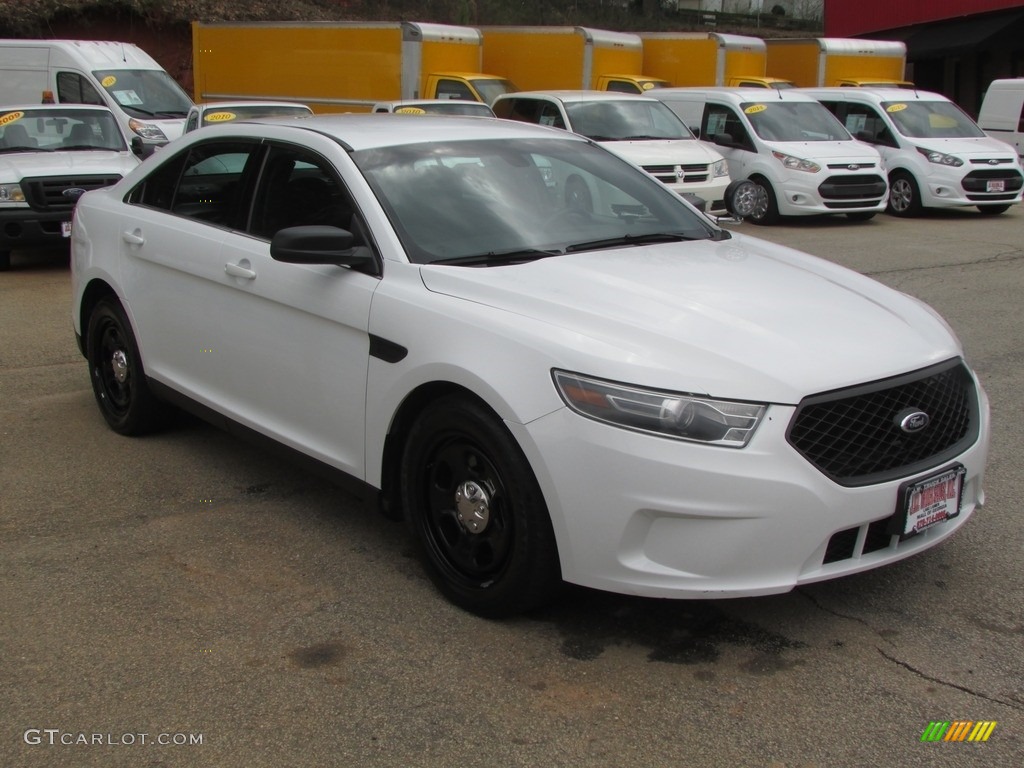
(849, 18)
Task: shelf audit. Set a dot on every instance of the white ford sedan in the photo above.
(601, 388)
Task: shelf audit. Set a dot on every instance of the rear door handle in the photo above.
(237, 270)
(133, 238)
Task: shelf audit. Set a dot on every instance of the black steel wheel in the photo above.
(115, 368)
(477, 511)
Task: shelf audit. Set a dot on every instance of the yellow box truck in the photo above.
(339, 66)
(572, 58)
(708, 58)
(818, 62)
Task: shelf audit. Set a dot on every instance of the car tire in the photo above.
(861, 215)
(474, 505)
(5, 261)
(115, 369)
(765, 210)
(904, 195)
(993, 210)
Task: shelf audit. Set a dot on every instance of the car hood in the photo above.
(828, 151)
(663, 151)
(739, 318)
(99, 162)
(982, 147)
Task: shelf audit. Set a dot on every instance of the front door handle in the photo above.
(133, 238)
(237, 270)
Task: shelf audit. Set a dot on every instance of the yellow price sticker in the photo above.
(11, 117)
(895, 107)
(108, 81)
(219, 117)
(410, 111)
(753, 109)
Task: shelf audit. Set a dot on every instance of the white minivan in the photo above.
(1002, 112)
(637, 128)
(936, 154)
(799, 158)
(149, 105)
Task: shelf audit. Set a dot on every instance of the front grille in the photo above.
(850, 166)
(977, 181)
(843, 544)
(46, 193)
(859, 186)
(854, 437)
(993, 161)
(669, 174)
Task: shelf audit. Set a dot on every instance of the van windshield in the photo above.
(931, 120)
(608, 120)
(793, 121)
(146, 93)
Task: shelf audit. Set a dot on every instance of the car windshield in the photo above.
(449, 107)
(491, 88)
(492, 202)
(145, 92)
(793, 121)
(625, 119)
(931, 120)
(228, 113)
(59, 130)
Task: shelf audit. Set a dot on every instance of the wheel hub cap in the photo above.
(119, 363)
(472, 506)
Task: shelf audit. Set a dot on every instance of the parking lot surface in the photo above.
(186, 599)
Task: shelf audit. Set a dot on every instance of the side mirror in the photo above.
(319, 244)
(138, 147)
(724, 140)
(865, 136)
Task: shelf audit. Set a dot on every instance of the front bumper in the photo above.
(644, 515)
(26, 228)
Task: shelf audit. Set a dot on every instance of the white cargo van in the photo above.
(799, 157)
(637, 128)
(937, 156)
(146, 101)
(1002, 112)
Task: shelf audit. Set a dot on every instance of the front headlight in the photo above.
(719, 169)
(796, 163)
(669, 414)
(146, 130)
(940, 158)
(11, 193)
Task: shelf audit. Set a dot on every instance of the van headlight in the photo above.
(940, 158)
(796, 163)
(719, 169)
(146, 130)
(669, 414)
(11, 193)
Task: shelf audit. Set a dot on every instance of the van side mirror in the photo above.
(865, 136)
(138, 146)
(725, 140)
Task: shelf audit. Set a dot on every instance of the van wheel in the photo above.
(861, 216)
(993, 210)
(904, 195)
(5, 261)
(764, 208)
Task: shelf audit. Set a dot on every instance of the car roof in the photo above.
(385, 129)
(738, 95)
(577, 95)
(877, 94)
(218, 105)
(6, 109)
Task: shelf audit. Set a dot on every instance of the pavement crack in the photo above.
(1012, 703)
(824, 608)
(1014, 254)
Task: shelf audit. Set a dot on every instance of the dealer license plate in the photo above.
(931, 501)
(996, 186)
(65, 229)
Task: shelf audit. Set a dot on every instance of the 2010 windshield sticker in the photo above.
(895, 107)
(219, 117)
(753, 109)
(108, 81)
(11, 117)
(410, 111)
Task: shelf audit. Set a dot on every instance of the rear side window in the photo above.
(73, 88)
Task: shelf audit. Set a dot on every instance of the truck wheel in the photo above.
(5, 261)
(904, 195)
(764, 209)
(993, 210)
(115, 368)
(473, 504)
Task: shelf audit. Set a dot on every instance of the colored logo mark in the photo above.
(958, 730)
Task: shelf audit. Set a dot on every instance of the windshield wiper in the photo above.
(500, 258)
(615, 242)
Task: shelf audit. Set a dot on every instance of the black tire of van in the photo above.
(993, 210)
(908, 195)
(771, 210)
(5, 261)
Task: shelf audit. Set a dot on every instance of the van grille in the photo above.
(854, 437)
(977, 181)
(679, 174)
(870, 187)
(46, 193)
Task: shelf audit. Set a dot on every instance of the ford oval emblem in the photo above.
(73, 193)
(913, 420)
